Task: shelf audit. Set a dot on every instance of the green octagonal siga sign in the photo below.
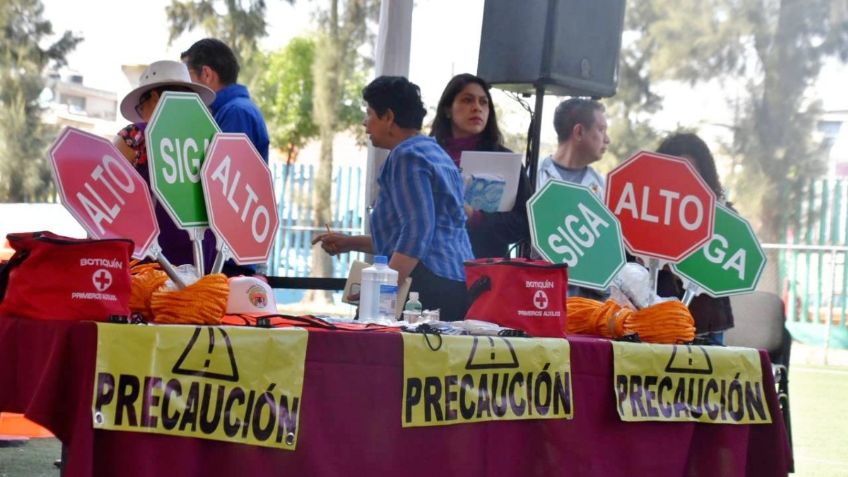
(177, 137)
(569, 224)
(730, 263)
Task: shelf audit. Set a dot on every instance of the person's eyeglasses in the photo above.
(141, 100)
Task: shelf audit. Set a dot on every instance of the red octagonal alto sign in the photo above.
(239, 196)
(102, 191)
(666, 209)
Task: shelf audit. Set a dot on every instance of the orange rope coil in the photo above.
(146, 279)
(202, 302)
(666, 322)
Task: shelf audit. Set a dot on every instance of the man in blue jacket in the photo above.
(212, 63)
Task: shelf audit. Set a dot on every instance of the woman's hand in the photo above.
(125, 149)
(468, 210)
(334, 243)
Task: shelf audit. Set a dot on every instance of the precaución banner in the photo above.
(480, 378)
(709, 384)
(222, 383)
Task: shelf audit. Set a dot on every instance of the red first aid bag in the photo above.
(51, 277)
(518, 293)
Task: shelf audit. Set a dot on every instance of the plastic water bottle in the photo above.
(413, 304)
(378, 292)
(412, 309)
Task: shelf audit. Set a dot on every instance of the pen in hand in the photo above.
(334, 249)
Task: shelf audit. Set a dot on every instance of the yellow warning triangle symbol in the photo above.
(206, 356)
(491, 353)
(689, 359)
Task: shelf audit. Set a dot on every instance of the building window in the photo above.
(76, 104)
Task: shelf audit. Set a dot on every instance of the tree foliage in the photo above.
(772, 51)
(284, 92)
(338, 73)
(287, 94)
(24, 171)
(636, 101)
(239, 24)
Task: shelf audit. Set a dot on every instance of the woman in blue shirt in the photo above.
(418, 219)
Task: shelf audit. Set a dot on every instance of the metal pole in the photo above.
(654, 266)
(391, 58)
(544, 75)
(802, 247)
(535, 136)
(829, 316)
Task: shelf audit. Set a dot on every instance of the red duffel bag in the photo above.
(51, 277)
(518, 293)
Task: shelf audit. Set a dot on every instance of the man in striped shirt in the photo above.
(418, 219)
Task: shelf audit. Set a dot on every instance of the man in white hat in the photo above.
(137, 107)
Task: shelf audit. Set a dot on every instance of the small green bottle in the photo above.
(413, 304)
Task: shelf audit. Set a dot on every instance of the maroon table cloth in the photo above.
(350, 421)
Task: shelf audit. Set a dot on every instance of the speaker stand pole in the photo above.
(535, 134)
(533, 144)
(544, 72)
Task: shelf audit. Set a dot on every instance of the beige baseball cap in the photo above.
(250, 295)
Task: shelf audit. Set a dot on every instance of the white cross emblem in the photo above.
(540, 299)
(102, 279)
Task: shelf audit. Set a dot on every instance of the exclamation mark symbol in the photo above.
(211, 347)
(492, 347)
(689, 348)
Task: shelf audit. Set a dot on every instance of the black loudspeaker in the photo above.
(569, 47)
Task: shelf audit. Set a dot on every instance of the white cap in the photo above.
(250, 295)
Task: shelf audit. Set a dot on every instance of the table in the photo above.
(350, 422)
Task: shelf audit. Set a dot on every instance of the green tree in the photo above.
(635, 101)
(338, 74)
(775, 49)
(284, 92)
(239, 24)
(24, 170)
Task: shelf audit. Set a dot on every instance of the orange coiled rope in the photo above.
(666, 322)
(590, 317)
(202, 302)
(146, 279)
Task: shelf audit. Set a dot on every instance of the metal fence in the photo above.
(293, 184)
(810, 274)
(814, 278)
(813, 287)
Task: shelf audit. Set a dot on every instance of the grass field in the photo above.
(818, 399)
(33, 459)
